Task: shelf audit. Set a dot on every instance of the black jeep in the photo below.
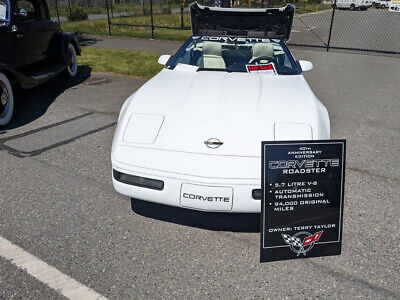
(33, 49)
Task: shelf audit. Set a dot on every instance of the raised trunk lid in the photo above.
(261, 22)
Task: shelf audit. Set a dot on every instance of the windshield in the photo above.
(235, 54)
(4, 10)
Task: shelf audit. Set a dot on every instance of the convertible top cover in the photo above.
(261, 22)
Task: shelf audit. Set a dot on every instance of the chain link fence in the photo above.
(317, 23)
(363, 28)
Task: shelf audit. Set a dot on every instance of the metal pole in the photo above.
(69, 5)
(58, 15)
(330, 29)
(182, 25)
(152, 21)
(112, 11)
(108, 19)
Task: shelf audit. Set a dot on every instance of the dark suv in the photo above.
(33, 49)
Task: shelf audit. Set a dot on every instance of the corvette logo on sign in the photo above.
(301, 246)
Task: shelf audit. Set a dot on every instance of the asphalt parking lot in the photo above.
(58, 204)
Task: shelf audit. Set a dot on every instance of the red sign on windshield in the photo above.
(263, 68)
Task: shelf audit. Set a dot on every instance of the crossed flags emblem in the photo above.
(297, 245)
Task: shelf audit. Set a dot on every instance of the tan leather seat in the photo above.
(262, 50)
(212, 56)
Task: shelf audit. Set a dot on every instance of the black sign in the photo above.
(302, 199)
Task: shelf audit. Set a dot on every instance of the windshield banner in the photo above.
(302, 199)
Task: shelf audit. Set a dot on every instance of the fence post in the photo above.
(182, 25)
(152, 21)
(330, 28)
(58, 15)
(108, 19)
(69, 5)
(112, 10)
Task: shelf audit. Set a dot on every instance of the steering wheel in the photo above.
(267, 58)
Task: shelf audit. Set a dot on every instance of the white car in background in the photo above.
(381, 3)
(353, 4)
(394, 6)
(191, 136)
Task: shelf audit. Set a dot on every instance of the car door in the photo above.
(340, 3)
(48, 27)
(27, 33)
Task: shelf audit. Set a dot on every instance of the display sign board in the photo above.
(302, 199)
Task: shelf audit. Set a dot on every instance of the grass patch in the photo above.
(100, 27)
(140, 64)
(136, 9)
(131, 8)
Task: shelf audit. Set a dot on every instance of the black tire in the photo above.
(6, 100)
(382, 6)
(72, 61)
(352, 7)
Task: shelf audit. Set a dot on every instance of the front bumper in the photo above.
(243, 191)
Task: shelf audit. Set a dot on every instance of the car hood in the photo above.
(239, 109)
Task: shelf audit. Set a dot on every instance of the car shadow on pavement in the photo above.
(32, 104)
(85, 41)
(205, 220)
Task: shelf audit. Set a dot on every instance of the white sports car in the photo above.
(191, 136)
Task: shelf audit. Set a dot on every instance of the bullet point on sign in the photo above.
(270, 184)
(270, 191)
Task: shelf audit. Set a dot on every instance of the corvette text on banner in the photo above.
(302, 199)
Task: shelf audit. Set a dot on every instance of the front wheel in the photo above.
(72, 61)
(6, 100)
(352, 7)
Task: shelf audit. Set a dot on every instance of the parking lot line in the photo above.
(50, 276)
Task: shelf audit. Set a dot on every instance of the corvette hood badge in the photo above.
(213, 143)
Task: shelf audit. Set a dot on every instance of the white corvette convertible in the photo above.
(191, 136)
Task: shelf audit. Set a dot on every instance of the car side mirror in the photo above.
(163, 59)
(305, 65)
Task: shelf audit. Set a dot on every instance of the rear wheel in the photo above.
(382, 5)
(352, 7)
(6, 100)
(72, 61)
